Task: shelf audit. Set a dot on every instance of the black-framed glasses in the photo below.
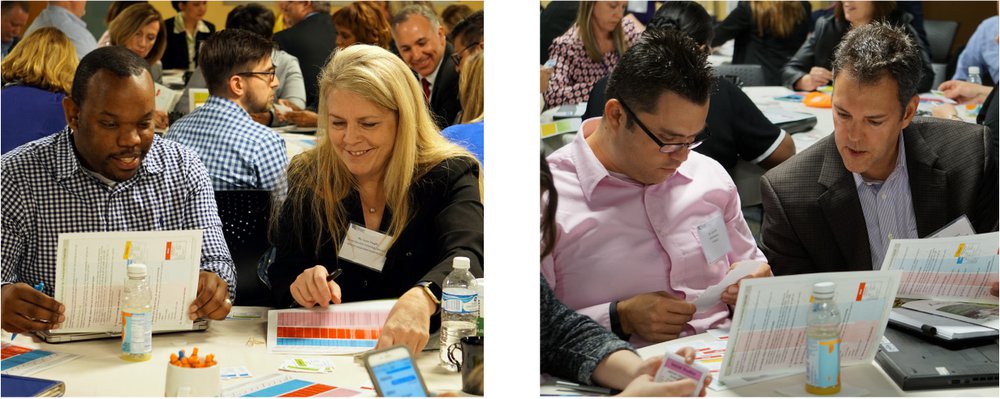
(666, 148)
(456, 58)
(268, 74)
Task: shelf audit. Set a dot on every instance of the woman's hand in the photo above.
(643, 384)
(311, 288)
(408, 322)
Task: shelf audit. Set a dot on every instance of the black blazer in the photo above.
(768, 51)
(447, 222)
(444, 93)
(312, 40)
(813, 220)
(176, 54)
(818, 49)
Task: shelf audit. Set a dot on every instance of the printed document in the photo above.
(946, 268)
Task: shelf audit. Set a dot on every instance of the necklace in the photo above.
(371, 210)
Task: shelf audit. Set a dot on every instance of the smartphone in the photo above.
(394, 373)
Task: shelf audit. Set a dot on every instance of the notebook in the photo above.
(15, 385)
(56, 337)
(917, 364)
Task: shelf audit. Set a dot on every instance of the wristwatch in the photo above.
(433, 291)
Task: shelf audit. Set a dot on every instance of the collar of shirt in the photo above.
(592, 172)
(430, 78)
(59, 15)
(226, 106)
(899, 170)
(67, 162)
(179, 25)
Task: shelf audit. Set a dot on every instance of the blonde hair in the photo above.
(45, 59)
(777, 17)
(320, 177)
(132, 20)
(585, 29)
(470, 88)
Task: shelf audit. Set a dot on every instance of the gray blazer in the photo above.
(813, 220)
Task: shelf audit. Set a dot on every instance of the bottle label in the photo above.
(460, 300)
(137, 332)
(823, 362)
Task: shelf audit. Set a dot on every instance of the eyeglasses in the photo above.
(666, 148)
(269, 74)
(456, 56)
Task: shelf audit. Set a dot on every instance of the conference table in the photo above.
(235, 342)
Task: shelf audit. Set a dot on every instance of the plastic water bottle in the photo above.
(823, 342)
(137, 316)
(974, 75)
(459, 308)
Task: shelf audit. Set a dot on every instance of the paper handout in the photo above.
(946, 268)
(340, 329)
(711, 295)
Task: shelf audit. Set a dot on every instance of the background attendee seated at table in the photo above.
(469, 133)
(981, 51)
(361, 22)
(589, 50)
(882, 174)
(576, 348)
(384, 168)
(140, 28)
(310, 36)
(67, 17)
(468, 37)
(185, 34)
(106, 171)
(767, 33)
(633, 197)
(240, 154)
(13, 19)
(116, 8)
(451, 15)
(810, 67)
(36, 77)
(421, 42)
(738, 129)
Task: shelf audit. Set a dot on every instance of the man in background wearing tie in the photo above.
(422, 45)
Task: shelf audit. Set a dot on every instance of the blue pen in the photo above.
(38, 287)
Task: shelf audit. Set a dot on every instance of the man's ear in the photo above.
(72, 112)
(910, 111)
(614, 114)
(236, 87)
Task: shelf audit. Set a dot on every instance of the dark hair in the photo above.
(661, 60)
(116, 59)
(455, 13)
(470, 29)
(881, 10)
(686, 16)
(116, 8)
(177, 5)
(878, 49)
(252, 17)
(228, 52)
(9, 5)
(549, 213)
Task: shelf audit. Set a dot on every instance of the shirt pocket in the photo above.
(690, 272)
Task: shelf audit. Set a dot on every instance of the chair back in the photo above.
(245, 215)
(743, 75)
(940, 35)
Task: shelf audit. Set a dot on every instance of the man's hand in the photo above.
(160, 119)
(655, 316)
(408, 322)
(965, 92)
(213, 297)
(995, 289)
(263, 118)
(816, 77)
(301, 118)
(310, 288)
(26, 309)
(733, 290)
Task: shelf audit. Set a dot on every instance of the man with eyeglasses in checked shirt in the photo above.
(644, 223)
(240, 154)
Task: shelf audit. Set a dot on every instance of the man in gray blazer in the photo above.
(882, 175)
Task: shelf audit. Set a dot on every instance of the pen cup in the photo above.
(183, 381)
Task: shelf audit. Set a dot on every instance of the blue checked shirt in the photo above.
(240, 154)
(46, 191)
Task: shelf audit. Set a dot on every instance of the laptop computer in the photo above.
(914, 363)
(57, 337)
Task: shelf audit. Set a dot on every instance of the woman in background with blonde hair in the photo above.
(37, 75)
(382, 172)
(767, 33)
(470, 94)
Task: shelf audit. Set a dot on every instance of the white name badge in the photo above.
(714, 238)
(365, 247)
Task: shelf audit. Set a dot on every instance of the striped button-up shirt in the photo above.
(46, 191)
(888, 208)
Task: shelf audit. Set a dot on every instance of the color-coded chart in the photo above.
(277, 385)
(19, 360)
(338, 329)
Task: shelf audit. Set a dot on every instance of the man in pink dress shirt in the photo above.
(645, 225)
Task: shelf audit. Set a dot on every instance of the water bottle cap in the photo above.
(973, 70)
(137, 270)
(460, 262)
(825, 288)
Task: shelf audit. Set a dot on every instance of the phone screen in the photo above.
(398, 378)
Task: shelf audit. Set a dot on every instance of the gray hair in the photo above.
(415, 9)
(321, 6)
(876, 49)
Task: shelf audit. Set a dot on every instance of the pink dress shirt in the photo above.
(618, 238)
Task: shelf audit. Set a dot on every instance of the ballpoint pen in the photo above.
(38, 287)
(334, 274)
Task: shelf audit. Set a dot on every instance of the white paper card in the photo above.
(958, 227)
(714, 238)
(711, 295)
(365, 247)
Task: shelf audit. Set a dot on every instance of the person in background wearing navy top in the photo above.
(185, 33)
(37, 74)
(767, 33)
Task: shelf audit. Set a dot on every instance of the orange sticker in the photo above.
(169, 246)
(861, 291)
